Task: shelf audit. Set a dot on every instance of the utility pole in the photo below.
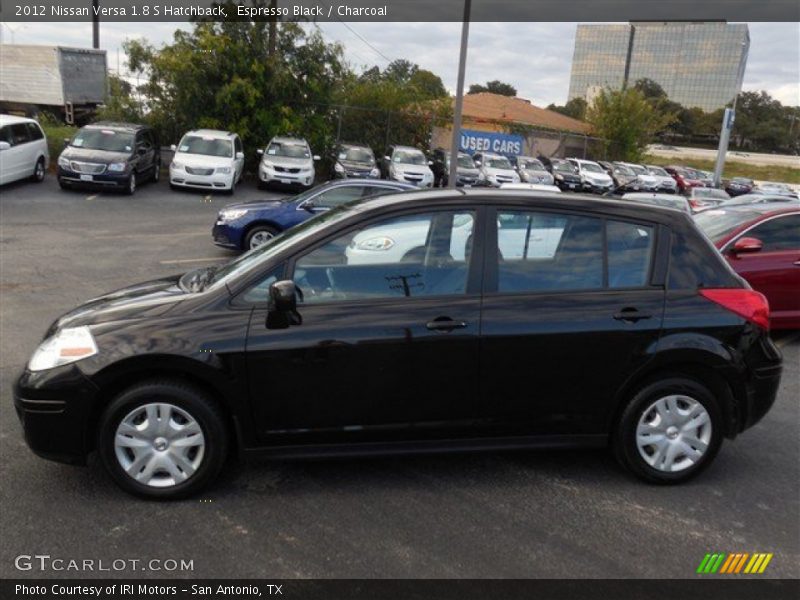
(462, 66)
(95, 24)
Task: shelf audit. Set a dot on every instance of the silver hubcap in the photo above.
(259, 238)
(40, 170)
(673, 433)
(159, 445)
(132, 184)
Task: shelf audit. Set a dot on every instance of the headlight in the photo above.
(117, 167)
(559, 177)
(232, 214)
(267, 165)
(376, 243)
(176, 165)
(63, 162)
(66, 346)
(338, 168)
(375, 172)
(223, 170)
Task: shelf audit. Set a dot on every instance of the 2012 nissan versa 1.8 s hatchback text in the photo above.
(510, 319)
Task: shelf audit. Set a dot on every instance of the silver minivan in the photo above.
(287, 161)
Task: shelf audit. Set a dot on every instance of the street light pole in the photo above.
(462, 66)
(728, 120)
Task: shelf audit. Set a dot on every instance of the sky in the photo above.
(533, 57)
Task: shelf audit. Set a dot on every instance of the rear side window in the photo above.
(695, 263)
(34, 131)
(780, 233)
(5, 134)
(545, 252)
(20, 134)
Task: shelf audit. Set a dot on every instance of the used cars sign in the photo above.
(490, 141)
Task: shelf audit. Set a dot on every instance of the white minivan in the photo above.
(23, 150)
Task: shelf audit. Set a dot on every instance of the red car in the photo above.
(686, 178)
(762, 244)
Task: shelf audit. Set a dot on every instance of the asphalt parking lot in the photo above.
(504, 515)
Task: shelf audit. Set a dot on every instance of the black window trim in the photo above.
(657, 269)
(726, 248)
(474, 274)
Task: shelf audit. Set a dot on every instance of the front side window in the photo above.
(34, 131)
(781, 233)
(401, 257)
(237, 143)
(547, 252)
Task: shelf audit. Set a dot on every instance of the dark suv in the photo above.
(110, 155)
(425, 321)
(467, 172)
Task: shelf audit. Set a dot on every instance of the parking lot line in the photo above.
(181, 261)
(92, 197)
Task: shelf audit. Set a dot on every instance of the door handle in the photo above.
(631, 315)
(445, 324)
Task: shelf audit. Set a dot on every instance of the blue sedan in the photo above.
(247, 225)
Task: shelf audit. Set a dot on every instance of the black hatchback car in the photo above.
(424, 321)
(111, 156)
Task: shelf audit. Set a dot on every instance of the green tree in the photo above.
(221, 75)
(493, 87)
(626, 121)
(121, 104)
(575, 108)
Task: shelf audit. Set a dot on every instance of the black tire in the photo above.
(258, 229)
(188, 398)
(156, 172)
(130, 185)
(624, 437)
(38, 171)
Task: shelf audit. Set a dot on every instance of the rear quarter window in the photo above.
(696, 263)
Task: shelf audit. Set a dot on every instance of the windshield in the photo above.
(288, 150)
(717, 224)
(205, 145)
(497, 162)
(709, 193)
(658, 171)
(638, 170)
(357, 154)
(592, 168)
(465, 161)
(531, 165)
(622, 169)
(103, 139)
(564, 167)
(409, 157)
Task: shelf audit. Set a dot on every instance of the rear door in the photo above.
(775, 269)
(571, 309)
(18, 157)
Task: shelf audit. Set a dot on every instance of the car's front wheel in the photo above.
(259, 235)
(163, 439)
(38, 171)
(670, 431)
(130, 187)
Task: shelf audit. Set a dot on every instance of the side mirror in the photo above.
(260, 152)
(746, 245)
(317, 157)
(477, 163)
(4, 145)
(282, 305)
(386, 158)
(66, 142)
(173, 147)
(239, 155)
(308, 205)
(430, 163)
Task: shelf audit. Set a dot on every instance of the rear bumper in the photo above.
(761, 392)
(55, 409)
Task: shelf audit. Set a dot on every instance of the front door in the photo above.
(388, 343)
(565, 321)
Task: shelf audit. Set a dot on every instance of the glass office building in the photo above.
(697, 64)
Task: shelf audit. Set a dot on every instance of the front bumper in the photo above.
(102, 180)
(215, 181)
(597, 188)
(56, 409)
(300, 178)
(568, 186)
(353, 174)
(226, 236)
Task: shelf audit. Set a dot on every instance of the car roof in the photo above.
(767, 208)
(13, 119)
(587, 202)
(116, 125)
(284, 139)
(212, 133)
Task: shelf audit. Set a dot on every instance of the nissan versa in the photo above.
(511, 319)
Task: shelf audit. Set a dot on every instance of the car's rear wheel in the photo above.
(163, 439)
(670, 431)
(259, 235)
(156, 171)
(38, 171)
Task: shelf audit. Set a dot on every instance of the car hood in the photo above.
(599, 177)
(411, 168)
(149, 298)
(288, 161)
(357, 166)
(97, 156)
(203, 160)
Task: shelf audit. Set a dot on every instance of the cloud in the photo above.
(533, 57)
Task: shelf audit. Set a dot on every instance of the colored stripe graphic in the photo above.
(734, 563)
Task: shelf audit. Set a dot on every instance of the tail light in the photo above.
(748, 304)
